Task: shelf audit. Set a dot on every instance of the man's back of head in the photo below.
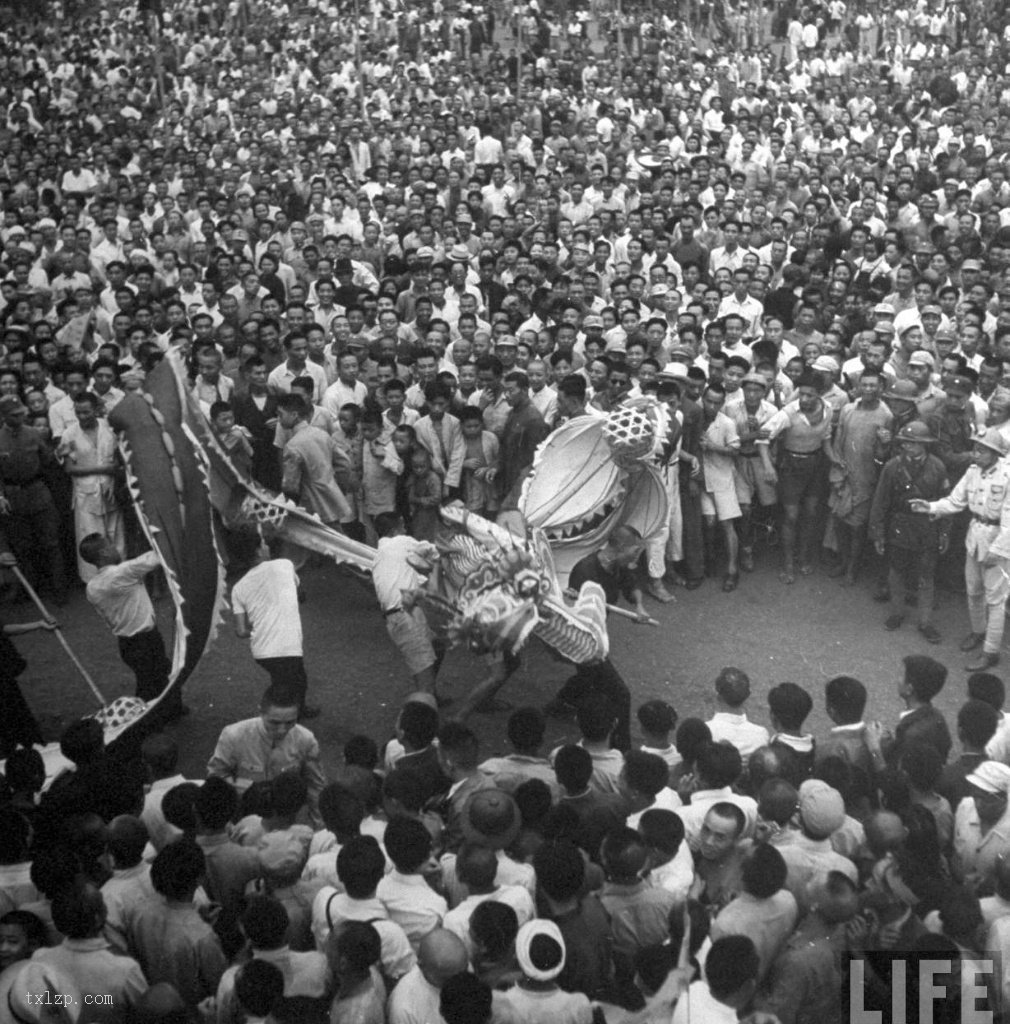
(732, 687)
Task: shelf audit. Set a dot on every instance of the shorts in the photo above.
(749, 481)
(409, 631)
(802, 479)
(721, 504)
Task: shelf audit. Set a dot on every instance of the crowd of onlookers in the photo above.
(396, 246)
(717, 870)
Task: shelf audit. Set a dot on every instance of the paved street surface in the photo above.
(806, 633)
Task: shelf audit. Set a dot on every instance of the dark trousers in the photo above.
(144, 654)
(693, 542)
(34, 538)
(17, 724)
(287, 672)
(602, 677)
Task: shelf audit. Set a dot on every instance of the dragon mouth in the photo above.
(589, 524)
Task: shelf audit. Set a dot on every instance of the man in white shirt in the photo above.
(346, 389)
(117, 592)
(731, 978)
(297, 365)
(717, 769)
(265, 605)
(732, 688)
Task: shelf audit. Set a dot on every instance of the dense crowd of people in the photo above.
(715, 871)
(397, 246)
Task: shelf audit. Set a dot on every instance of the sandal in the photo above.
(729, 584)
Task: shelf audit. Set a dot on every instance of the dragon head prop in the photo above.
(492, 590)
(594, 474)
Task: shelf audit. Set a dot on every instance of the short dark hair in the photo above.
(731, 963)
(847, 696)
(922, 766)
(719, 764)
(988, 687)
(341, 810)
(764, 872)
(732, 684)
(692, 735)
(526, 728)
(573, 766)
(177, 869)
(662, 829)
(216, 803)
(560, 869)
(657, 716)
(419, 724)
(790, 704)
(460, 742)
(925, 675)
(595, 717)
(977, 722)
(494, 926)
(82, 741)
(259, 987)
(646, 773)
(279, 695)
(360, 866)
(78, 910)
(357, 942)
(623, 853)
(465, 999)
(126, 838)
(408, 844)
(264, 921)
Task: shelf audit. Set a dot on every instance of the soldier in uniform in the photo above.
(985, 491)
(900, 399)
(912, 543)
(28, 516)
(953, 426)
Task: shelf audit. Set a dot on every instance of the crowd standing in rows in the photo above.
(391, 278)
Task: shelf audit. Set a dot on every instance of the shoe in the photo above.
(747, 559)
(893, 622)
(882, 595)
(836, 571)
(729, 584)
(559, 709)
(982, 661)
(931, 633)
(971, 641)
(655, 589)
(693, 584)
(911, 600)
(309, 711)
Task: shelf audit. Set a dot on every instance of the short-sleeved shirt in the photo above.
(118, 592)
(796, 430)
(268, 596)
(717, 467)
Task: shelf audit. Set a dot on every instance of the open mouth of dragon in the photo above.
(590, 523)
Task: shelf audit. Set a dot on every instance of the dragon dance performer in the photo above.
(610, 567)
(117, 591)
